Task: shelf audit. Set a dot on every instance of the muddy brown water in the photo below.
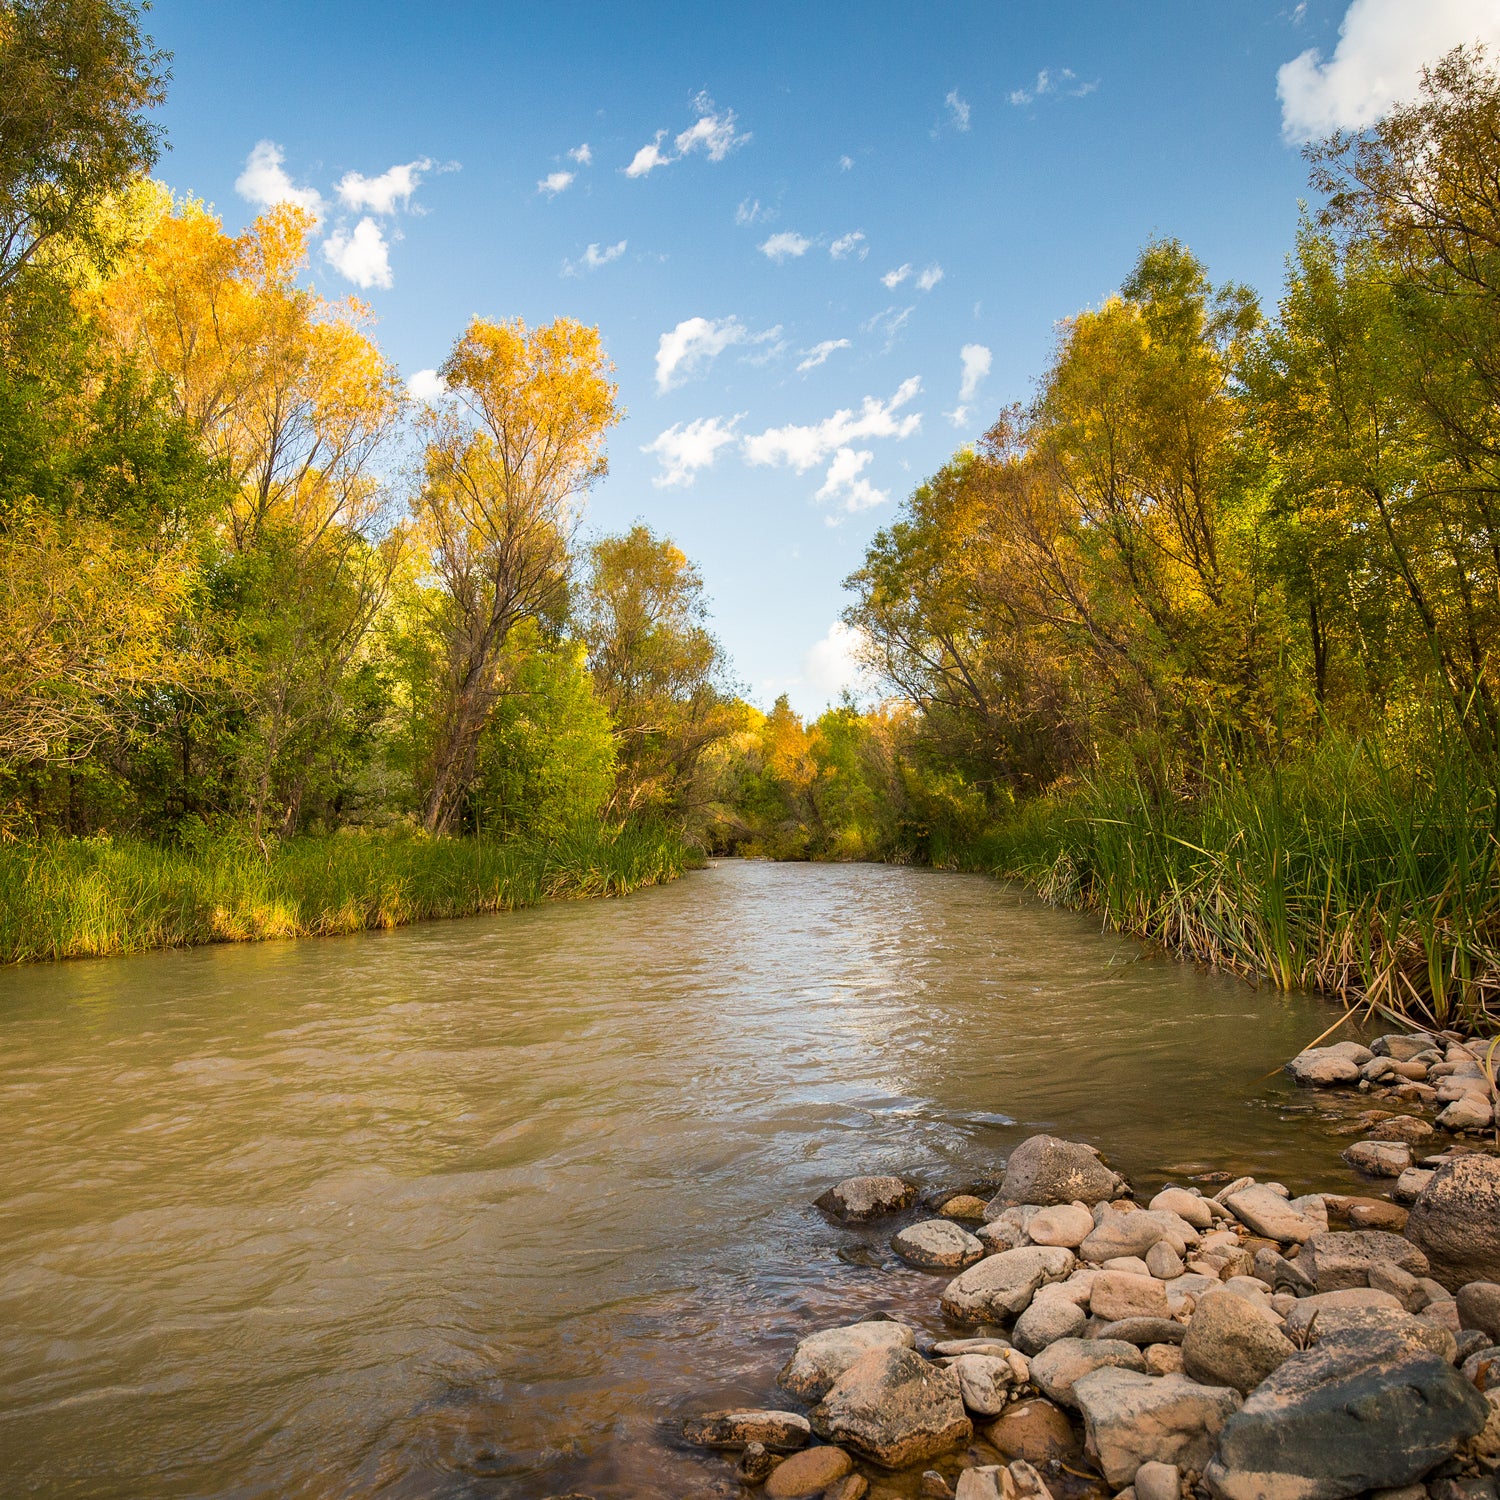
(484, 1208)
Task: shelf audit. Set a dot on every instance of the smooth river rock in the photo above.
(1456, 1221)
(1118, 1294)
(1130, 1419)
(937, 1245)
(1034, 1430)
(1047, 1320)
(1379, 1158)
(821, 1358)
(738, 1427)
(1002, 1285)
(985, 1381)
(808, 1473)
(1065, 1224)
(1232, 1342)
(1187, 1206)
(894, 1408)
(1055, 1370)
(860, 1198)
(1269, 1214)
(1046, 1170)
(1323, 1068)
(1479, 1307)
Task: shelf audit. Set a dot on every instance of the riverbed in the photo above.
(485, 1207)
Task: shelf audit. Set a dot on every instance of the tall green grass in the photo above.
(72, 898)
(1340, 872)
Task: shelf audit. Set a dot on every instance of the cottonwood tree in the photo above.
(509, 456)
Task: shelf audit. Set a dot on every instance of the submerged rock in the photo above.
(808, 1473)
(860, 1198)
(821, 1358)
(739, 1427)
(894, 1408)
(1046, 1170)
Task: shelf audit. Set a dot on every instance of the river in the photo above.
(483, 1208)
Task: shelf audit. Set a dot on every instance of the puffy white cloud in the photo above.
(833, 663)
(594, 257)
(554, 183)
(846, 244)
(958, 109)
(975, 360)
(803, 447)
(649, 157)
(929, 278)
(265, 182)
(819, 353)
(426, 385)
(711, 132)
(959, 416)
(360, 254)
(1063, 82)
(845, 483)
(686, 447)
(383, 194)
(785, 246)
(582, 155)
(1382, 47)
(693, 344)
(846, 164)
(892, 279)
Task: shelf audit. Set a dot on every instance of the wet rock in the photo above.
(966, 1206)
(859, 1198)
(934, 1487)
(1344, 1418)
(738, 1427)
(1036, 1431)
(1059, 1365)
(1163, 1262)
(1269, 1214)
(1002, 1285)
(1047, 1320)
(821, 1358)
(756, 1462)
(1116, 1295)
(1046, 1170)
(1408, 1128)
(1232, 1342)
(850, 1487)
(1154, 1481)
(1471, 1111)
(1479, 1307)
(1131, 1419)
(1323, 1068)
(1065, 1224)
(809, 1473)
(1379, 1158)
(1342, 1258)
(1302, 1318)
(894, 1409)
(1188, 1207)
(1456, 1220)
(937, 1245)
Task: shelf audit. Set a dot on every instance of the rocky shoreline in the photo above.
(1243, 1345)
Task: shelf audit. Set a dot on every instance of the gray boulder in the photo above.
(1002, 1285)
(1381, 1324)
(1479, 1307)
(1047, 1320)
(821, 1358)
(985, 1381)
(1270, 1215)
(894, 1408)
(1232, 1342)
(1351, 1415)
(1302, 1319)
(1141, 1331)
(738, 1427)
(1456, 1221)
(1130, 1419)
(1342, 1258)
(1403, 1047)
(859, 1198)
(1323, 1068)
(937, 1245)
(1045, 1170)
(1059, 1365)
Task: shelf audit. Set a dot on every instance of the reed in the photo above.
(74, 898)
(1352, 871)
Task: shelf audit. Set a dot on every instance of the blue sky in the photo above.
(829, 242)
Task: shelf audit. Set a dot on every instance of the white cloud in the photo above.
(845, 482)
(554, 183)
(958, 108)
(785, 246)
(750, 212)
(711, 131)
(847, 243)
(693, 344)
(265, 182)
(976, 361)
(426, 385)
(1063, 81)
(846, 164)
(582, 155)
(833, 663)
(360, 254)
(959, 416)
(804, 447)
(383, 194)
(1382, 47)
(819, 353)
(594, 257)
(649, 157)
(890, 322)
(686, 447)
(929, 278)
(892, 279)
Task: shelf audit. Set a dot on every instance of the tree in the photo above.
(508, 457)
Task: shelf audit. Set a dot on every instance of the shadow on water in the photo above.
(482, 1208)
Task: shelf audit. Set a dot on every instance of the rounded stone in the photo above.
(1035, 1431)
(1065, 1224)
(1047, 1320)
(809, 1472)
(937, 1245)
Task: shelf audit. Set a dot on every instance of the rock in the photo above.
(1036, 1431)
(934, 1487)
(894, 1409)
(1130, 1419)
(984, 1382)
(850, 1487)
(1342, 1418)
(1268, 1213)
(809, 1473)
(756, 1462)
(1456, 1220)
(1002, 1285)
(1164, 1359)
(1482, 1367)
(937, 1245)
(1407, 1128)
(1403, 1047)
(1131, 1265)
(859, 1198)
(954, 1347)
(738, 1427)
(1154, 1481)
(1323, 1068)
(1370, 1214)
(1142, 1331)
(1382, 1324)
(1163, 1262)
(1410, 1183)
(1047, 1320)
(1122, 1234)
(1470, 1112)
(1442, 1312)
(821, 1358)
(1117, 1294)
(1065, 1224)
(1231, 1342)
(1301, 1320)
(1045, 1170)
(1342, 1258)
(1059, 1365)
(1384, 1277)
(1379, 1158)
(1479, 1307)
(965, 1206)
(1188, 1207)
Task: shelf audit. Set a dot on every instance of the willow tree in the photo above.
(510, 454)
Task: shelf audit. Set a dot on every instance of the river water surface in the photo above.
(483, 1208)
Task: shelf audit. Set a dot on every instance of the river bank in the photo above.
(77, 898)
(1229, 1340)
